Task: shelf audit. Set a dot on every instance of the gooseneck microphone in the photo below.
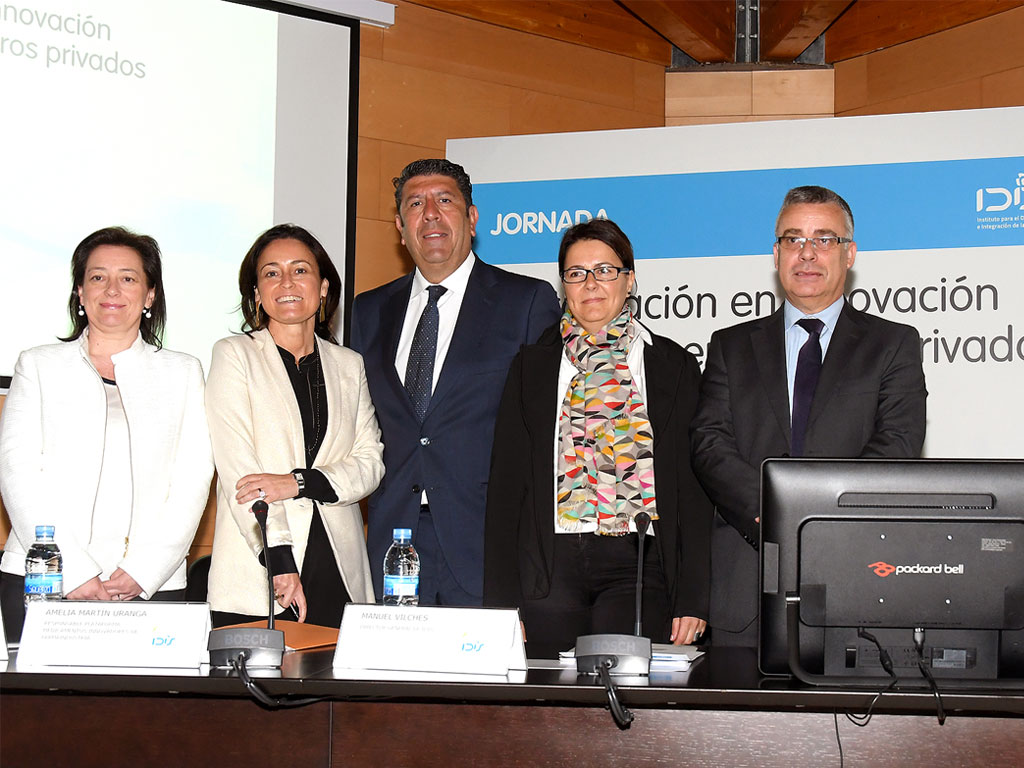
(608, 655)
(260, 509)
(239, 647)
(643, 522)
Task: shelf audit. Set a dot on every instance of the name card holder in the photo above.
(482, 641)
(92, 633)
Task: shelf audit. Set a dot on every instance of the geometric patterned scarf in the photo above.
(605, 464)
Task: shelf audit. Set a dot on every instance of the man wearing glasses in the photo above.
(816, 378)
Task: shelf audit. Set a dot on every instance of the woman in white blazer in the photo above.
(104, 437)
(292, 423)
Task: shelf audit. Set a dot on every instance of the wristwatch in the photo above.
(300, 480)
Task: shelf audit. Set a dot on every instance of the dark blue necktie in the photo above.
(419, 371)
(808, 367)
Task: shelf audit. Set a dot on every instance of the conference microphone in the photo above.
(608, 654)
(643, 522)
(250, 646)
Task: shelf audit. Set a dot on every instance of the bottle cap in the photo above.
(402, 534)
(44, 531)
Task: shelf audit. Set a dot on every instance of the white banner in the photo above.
(938, 203)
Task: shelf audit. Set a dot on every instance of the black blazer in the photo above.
(520, 527)
(449, 454)
(869, 402)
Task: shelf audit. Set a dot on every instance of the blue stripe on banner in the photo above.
(897, 206)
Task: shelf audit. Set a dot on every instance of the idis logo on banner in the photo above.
(538, 222)
(994, 199)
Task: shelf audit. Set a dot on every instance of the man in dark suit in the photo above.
(816, 378)
(437, 344)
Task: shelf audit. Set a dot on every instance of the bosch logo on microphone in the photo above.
(883, 569)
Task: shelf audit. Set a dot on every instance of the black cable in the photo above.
(922, 666)
(238, 664)
(622, 716)
(940, 712)
(861, 720)
(886, 661)
(839, 741)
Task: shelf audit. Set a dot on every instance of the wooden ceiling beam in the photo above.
(600, 24)
(705, 31)
(789, 26)
(869, 25)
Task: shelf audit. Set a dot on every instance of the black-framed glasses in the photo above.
(603, 273)
(822, 244)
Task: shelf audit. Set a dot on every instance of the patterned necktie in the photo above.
(419, 371)
(808, 367)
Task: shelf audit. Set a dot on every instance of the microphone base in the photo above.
(629, 654)
(264, 647)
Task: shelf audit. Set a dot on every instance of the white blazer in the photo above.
(256, 426)
(51, 449)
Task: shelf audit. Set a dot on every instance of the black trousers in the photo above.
(593, 591)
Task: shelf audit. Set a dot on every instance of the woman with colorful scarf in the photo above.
(593, 428)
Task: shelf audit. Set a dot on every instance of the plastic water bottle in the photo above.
(44, 568)
(401, 570)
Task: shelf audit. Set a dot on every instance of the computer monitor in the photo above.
(917, 561)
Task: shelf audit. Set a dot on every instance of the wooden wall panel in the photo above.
(1003, 89)
(384, 256)
(674, 121)
(440, 42)
(602, 24)
(792, 92)
(871, 25)
(368, 180)
(648, 89)
(966, 95)
(699, 98)
(415, 106)
(533, 112)
(971, 66)
(689, 94)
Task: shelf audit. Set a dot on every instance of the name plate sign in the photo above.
(484, 641)
(92, 633)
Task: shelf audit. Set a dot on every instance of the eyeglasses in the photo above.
(603, 273)
(822, 244)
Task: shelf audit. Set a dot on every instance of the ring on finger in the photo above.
(262, 494)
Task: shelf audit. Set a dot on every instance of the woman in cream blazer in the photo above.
(263, 448)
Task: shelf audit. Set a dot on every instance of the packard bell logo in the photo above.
(882, 569)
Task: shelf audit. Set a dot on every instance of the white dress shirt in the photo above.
(448, 307)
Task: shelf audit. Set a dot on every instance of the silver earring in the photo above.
(81, 310)
(148, 313)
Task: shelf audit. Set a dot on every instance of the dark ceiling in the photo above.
(706, 30)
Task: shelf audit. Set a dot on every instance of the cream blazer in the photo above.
(51, 450)
(255, 426)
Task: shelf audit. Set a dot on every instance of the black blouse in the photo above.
(307, 379)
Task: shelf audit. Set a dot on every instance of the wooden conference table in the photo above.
(720, 713)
